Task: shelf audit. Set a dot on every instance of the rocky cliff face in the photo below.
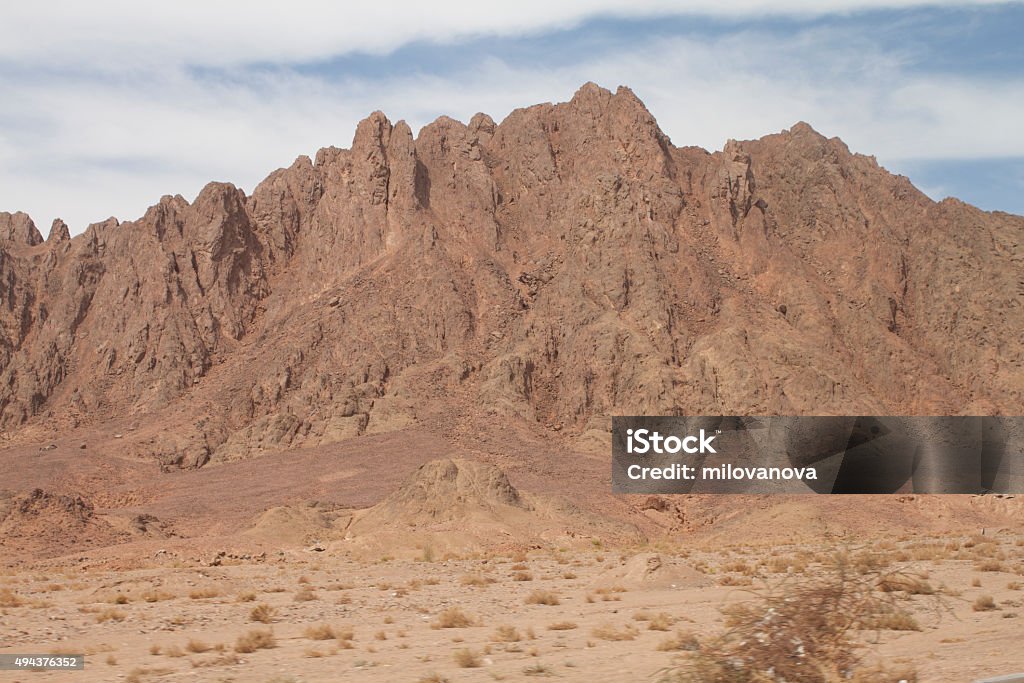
(563, 266)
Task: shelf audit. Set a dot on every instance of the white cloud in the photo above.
(127, 35)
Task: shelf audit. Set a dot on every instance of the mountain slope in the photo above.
(547, 272)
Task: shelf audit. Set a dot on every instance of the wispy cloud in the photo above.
(230, 32)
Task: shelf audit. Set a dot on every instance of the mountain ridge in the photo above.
(551, 270)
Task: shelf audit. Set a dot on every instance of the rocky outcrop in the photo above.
(564, 265)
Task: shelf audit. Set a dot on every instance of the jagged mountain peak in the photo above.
(562, 266)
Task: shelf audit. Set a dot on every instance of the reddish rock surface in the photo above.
(565, 265)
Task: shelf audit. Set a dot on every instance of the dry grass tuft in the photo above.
(263, 613)
(506, 634)
(156, 596)
(110, 614)
(660, 622)
(255, 640)
(9, 599)
(609, 632)
(984, 603)
(196, 646)
(320, 632)
(467, 659)
(305, 594)
(477, 580)
(453, 617)
(680, 641)
(542, 597)
(204, 593)
(896, 620)
(910, 584)
(990, 565)
(562, 626)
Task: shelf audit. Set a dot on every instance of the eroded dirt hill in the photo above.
(563, 266)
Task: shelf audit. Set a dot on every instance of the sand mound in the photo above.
(651, 571)
(465, 506)
(47, 524)
(295, 525)
(446, 489)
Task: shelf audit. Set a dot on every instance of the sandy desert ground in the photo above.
(598, 614)
(437, 569)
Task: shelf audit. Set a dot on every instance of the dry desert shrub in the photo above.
(609, 632)
(608, 594)
(154, 595)
(304, 594)
(9, 599)
(679, 641)
(475, 580)
(870, 561)
(222, 659)
(883, 674)
(262, 613)
(779, 563)
(255, 640)
(138, 674)
(932, 552)
(506, 634)
(453, 617)
(320, 632)
(801, 630)
(246, 597)
(911, 584)
(731, 580)
(739, 567)
(433, 678)
(895, 620)
(542, 597)
(204, 593)
(984, 603)
(660, 622)
(110, 615)
(196, 646)
(537, 669)
(522, 576)
(989, 565)
(467, 659)
(562, 626)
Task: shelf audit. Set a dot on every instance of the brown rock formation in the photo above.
(564, 265)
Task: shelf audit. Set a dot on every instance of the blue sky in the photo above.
(107, 107)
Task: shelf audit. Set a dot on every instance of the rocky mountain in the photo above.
(546, 272)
